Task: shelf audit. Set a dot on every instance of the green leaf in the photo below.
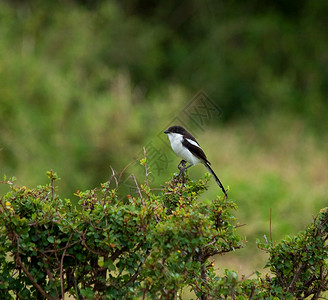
(110, 265)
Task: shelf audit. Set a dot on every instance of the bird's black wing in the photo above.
(195, 150)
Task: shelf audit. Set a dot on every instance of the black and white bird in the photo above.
(185, 146)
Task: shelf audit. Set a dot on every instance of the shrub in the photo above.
(112, 246)
(145, 245)
(300, 263)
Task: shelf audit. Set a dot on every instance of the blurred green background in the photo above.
(84, 85)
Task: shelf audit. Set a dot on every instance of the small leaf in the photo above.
(110, 265)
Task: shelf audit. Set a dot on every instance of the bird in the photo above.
(186, 147)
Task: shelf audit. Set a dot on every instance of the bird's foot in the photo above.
(182, 168)
(182, 164)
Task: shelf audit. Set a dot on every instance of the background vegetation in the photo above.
(85, 84)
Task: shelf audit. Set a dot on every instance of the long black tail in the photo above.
(216, 179)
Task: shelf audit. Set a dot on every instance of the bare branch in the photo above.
(82, 238)
(113, 176)
(146, 168)
(122, 172)
(290, 288)
(28, 274)
(61, 267)
(139, 192)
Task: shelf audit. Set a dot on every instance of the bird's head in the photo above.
(175, 129)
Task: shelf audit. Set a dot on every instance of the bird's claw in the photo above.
(182, 167)
(183, 163)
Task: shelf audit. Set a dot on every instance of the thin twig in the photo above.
(60, 249)
(296, 276)
(210, 243)
(146, 168)
(113, 176)
(132, 162)
(47, 196)
(117, 253)
(240, 225)
(248, 276)
(135, 275)
(55, 250)
(50, 276)
(270, 224)
(266, 240)
(61, 267)
(139, 192)
(28, 274)
(52, 187)
(89, 249)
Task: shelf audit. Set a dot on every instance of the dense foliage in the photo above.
(146, 245)
(118, 247)
(300, 263)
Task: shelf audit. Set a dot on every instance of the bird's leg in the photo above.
(183, 163)
(183, 168)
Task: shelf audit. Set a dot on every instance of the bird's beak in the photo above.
(166, 131)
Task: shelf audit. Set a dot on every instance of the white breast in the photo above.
(180, 150)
